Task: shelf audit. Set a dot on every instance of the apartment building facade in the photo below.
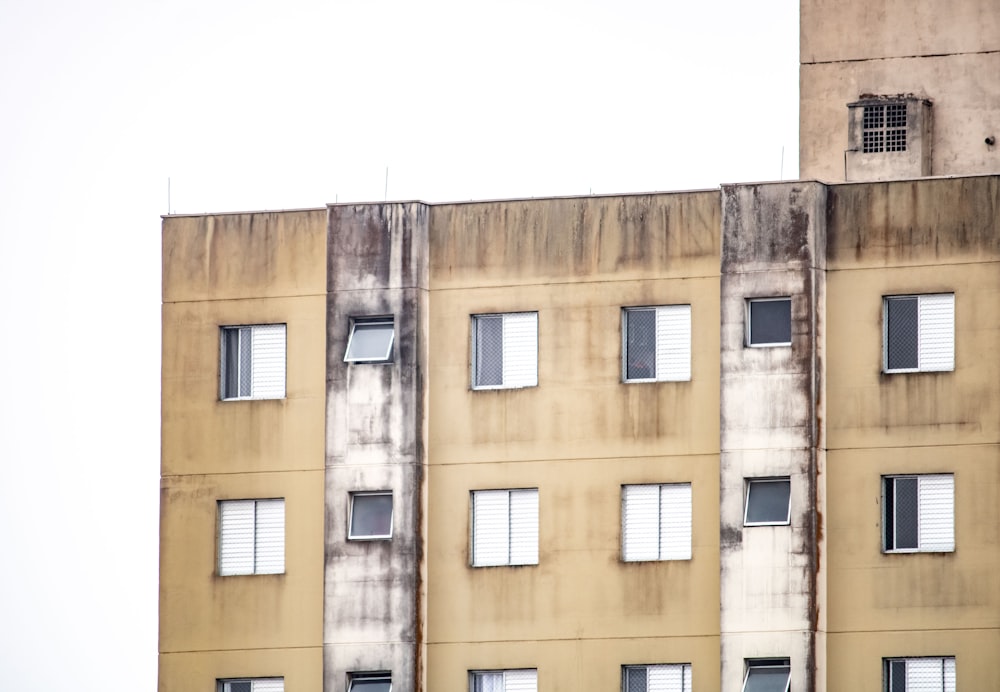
(737, 439)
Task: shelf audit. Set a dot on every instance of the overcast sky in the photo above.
(266, 105)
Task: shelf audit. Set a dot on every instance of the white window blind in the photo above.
(657, 344)
(252, 685)
(925, 674)
(674, 677)
(919, 513)
(251, 537)
(253, 362)
(519, 680)
(656, 522)
(505, 350)
(504, 527)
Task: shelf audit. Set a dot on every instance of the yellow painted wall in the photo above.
(230, 270)
(580, 614)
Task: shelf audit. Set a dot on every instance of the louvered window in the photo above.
(371, 516)
(675, 677)
(767, 675)
(919, 333)
(656, 522)
(505, 350)
(768, 501)
(924, 674)
(252, 685)
(657, 344)
(370, 682)
(769, 322)
(253, 362)
(251, 537)
(919, 513)
(521, 680)
(504, 527)
(370, 341)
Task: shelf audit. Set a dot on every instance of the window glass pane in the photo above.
(489, 351)
(488, 682)
(640, 344)
(771, 321)
(230, 363)
(241, 686)
(901, 351)
(767, 501)
(766, 680)
(370, 685)
(897, 676)
(905, 506)
(635, 680)
(246, 361)
(370, 341)
(371, 515)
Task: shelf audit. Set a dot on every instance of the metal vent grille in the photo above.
(883, 128)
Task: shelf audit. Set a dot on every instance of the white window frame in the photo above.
(252, 552)
(519, 349)
(750, 482)
(262, 350)
(921, 667)
(515, 535)
(672, 506)
(256, 684)
(935, 513)
(661, 677)
(750, 302)
(935, 332)
(363, 323)
(671, 343)
(772, 663)
(510, 680)
(350, 518)
(381, 676)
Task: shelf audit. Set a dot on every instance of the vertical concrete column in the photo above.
(373, 591)
(772, 581)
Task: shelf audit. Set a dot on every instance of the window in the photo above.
(253, 362)
(767, 675)
(657, 344)
(370, 682)
(525, 680)
(769, 322)
(919, 674)
(883, 127)
(768, 501)
(371, 515)
(504, 527)
(251, 537)
(919, 333)
(505, 350)
(656, 522)
(252, 685)
(663, 678)
(919, 513)
(370, 341)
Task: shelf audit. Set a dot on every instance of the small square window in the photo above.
(252, 364)
(657, 344)
(918, 513)
(371, 516)
(370, 682)
(674, 677)
(767, 675)
(518, 680)
(370, 341)
(252, 685)
(919, 333)
(883, 127)
(768, 501)
(769, 322)
(923, 674)
(505, 350)
(504, 527)
(251, 537)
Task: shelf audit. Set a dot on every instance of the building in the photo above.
(736, 439)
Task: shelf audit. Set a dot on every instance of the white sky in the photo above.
(267, 105)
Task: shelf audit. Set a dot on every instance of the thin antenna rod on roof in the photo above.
(386, 194)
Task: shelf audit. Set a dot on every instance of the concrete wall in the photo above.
(773, 245)
(226, 270)
(897, 238)
(580, 613)
(947, 51)
(373, 603)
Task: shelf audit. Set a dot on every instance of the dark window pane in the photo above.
(243, 686)
(640, 346)
(771, 321)
(231, 363)
(371, 516)
(635, 680)
(905, 501)
(489, 351)
(370, 685)
(767, 680)
(888, 518)
(901, 333)
(370, 341)
(767, 501)
(897, 676)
